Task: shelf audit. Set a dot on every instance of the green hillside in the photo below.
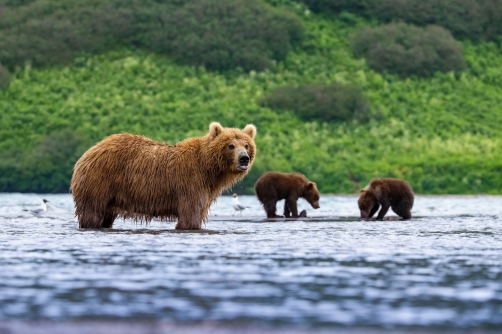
(443, 134)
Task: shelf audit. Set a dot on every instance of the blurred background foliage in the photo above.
(321, 102)
(220, 35)
(477, 20)
(306, 73)
(408, 50)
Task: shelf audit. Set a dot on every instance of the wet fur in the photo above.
(132, 176)
(272, 187)
(387, 193)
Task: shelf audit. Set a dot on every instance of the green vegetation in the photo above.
(443, 133)
(407, 50)
(4, 78)
(45, 168)
(324, 102)
(225, 34)
(465, 19)
(220, 35)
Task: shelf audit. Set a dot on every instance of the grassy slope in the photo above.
(441, 134)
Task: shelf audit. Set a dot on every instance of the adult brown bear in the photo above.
(393, 193)
(136, 177)
(271, 187)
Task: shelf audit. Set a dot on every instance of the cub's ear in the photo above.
(215, 129)
(310, 186)
(250, 130)
(362, 190)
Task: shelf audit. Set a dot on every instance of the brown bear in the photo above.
(136, 177)
(274, 186)
(393, 193)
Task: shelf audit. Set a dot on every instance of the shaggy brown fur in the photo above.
(135, 177)
(273, 186)
(393, 193)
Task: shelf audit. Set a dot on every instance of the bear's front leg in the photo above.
(190, 217)
(383, 211)
(374, 209)
(291, 203)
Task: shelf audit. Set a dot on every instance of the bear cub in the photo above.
(272, 187)
(388, 192)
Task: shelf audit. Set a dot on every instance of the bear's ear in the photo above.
(250, 130)
(310, 186)
(215, 129)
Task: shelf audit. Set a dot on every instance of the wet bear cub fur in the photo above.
(388, 193)
(272, 187)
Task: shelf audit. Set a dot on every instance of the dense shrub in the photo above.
(324, 102)
(407, 50)
(46, 168)
(4, 78)
(12, 3)
(46, 33)
(226, 34)
(471, 19)
(361, 7)
(218, 34)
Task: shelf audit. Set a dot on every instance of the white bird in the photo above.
(41, 209)
(237, 206)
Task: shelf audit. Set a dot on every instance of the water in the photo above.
(442, 269)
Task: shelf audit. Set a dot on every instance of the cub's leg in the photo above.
(291, 203)
(373, 210)
(383, 211)
(402, 211)
(270, 208)
(287, 212)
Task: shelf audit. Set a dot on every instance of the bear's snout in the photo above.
(244, 160)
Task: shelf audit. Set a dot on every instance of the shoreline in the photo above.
(161, 327)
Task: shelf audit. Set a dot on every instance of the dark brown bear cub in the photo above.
(393, 193)
(273, 186)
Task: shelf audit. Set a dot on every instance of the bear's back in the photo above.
(281, 184)
(391, 188)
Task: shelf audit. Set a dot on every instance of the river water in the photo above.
(442, 269)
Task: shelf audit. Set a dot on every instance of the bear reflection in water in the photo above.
(272, 187)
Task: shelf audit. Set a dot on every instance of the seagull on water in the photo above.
(237, 206)
(41, 209)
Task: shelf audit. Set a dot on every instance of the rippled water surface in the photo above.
(441, 269)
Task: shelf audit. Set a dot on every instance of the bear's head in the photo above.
(311, 194)
(368, 204)
(233, 149)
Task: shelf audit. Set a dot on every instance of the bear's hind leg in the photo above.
(108, 220)
(270, 208)
(402, 212)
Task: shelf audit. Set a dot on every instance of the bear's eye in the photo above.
(231, 146)
(247, 146)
